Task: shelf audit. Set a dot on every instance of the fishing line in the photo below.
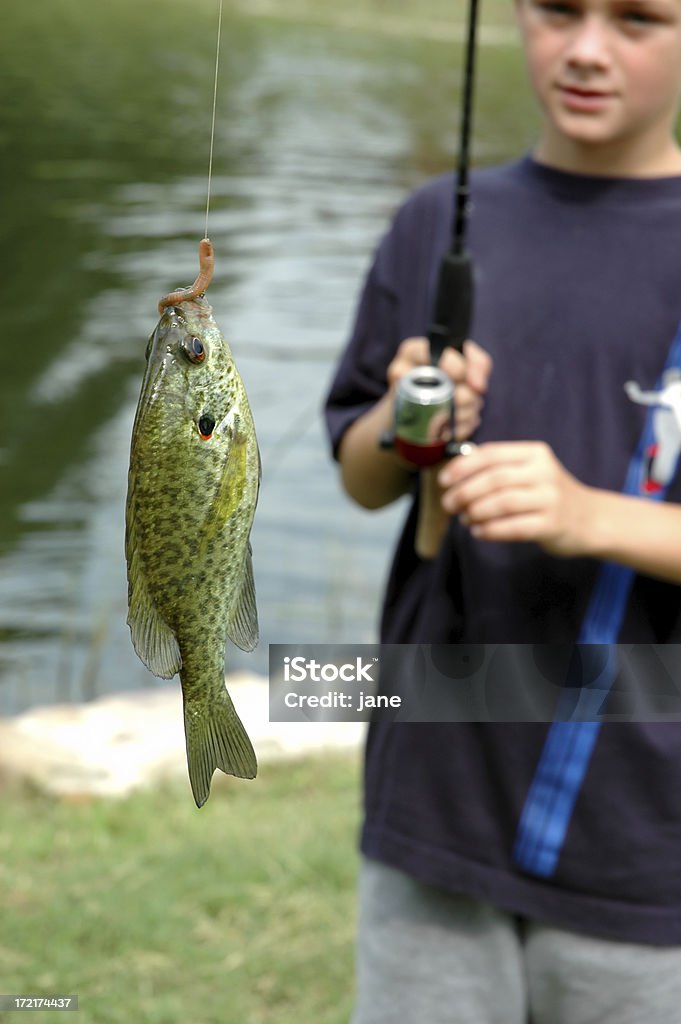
(212, 127)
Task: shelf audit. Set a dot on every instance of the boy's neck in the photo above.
(621, 159)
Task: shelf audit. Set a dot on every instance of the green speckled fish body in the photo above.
(192, 491)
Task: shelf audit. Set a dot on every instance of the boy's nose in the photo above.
(588, 47)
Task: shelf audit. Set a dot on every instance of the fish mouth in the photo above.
(168, 334)
(166, 337)
(169, 319)
(188, 317)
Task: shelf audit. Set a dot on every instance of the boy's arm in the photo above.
(516, 491)
(645, 535)
(371, 476)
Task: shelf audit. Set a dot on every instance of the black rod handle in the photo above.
(453, 305)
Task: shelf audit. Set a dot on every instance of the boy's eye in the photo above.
(638, 16)
(557, 8)
(631, 12)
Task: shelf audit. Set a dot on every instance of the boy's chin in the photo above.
(588, 129)
(589, 135)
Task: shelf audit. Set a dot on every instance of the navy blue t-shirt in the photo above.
(577, 292)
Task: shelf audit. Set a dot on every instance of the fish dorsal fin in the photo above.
(152, 638)
(243, 625)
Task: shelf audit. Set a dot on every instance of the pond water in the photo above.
(322, 129)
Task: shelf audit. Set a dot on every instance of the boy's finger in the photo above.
(486, 456)
(454, 365)
(491, 486)
(478, 365)
(415, 351)
(410, 353)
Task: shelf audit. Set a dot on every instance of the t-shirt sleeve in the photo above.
(360, 379)
(394, 303)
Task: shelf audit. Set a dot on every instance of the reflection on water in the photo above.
(102, 142)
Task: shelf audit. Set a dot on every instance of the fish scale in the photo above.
(190, 508)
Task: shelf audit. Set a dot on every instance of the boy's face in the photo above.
(605, 71)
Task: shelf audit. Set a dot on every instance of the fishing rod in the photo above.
(454, 298)
(423, 428)
(424, 402)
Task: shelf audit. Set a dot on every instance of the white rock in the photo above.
(116, 744)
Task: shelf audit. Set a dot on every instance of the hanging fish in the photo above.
(192, 490)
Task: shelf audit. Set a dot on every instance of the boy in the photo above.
(517, 872)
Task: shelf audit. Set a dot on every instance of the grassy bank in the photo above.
(149, 910)
(423, 18)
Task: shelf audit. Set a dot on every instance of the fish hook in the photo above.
(205, 276)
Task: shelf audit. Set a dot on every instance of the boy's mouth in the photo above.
(580, 99)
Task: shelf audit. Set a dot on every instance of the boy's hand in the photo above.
(469, 371)
(519, 491)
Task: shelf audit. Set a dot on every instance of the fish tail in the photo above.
(215, 738)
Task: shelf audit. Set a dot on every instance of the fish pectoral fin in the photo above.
(242, 629)
(152, 638)
(229, 494)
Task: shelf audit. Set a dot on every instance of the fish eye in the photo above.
(206, 426)
(194, 350)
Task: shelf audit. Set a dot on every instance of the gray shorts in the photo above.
(425, 956)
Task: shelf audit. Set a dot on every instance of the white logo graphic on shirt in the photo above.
(662, 455)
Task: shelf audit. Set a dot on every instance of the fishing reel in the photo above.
(423, 428)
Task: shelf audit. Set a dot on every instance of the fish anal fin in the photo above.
(242, 628)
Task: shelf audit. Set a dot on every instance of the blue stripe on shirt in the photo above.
(569, 746)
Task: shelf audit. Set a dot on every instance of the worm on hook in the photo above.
(205, 276)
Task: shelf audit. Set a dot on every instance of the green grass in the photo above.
(149, 910)
(414, 16)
